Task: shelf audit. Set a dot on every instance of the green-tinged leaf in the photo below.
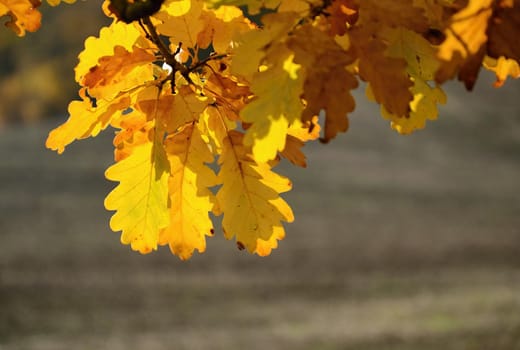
(141, 198)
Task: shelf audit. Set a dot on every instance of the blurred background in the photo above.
(400, 242)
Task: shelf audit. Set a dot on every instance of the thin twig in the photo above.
(165, 52)
(206, 60)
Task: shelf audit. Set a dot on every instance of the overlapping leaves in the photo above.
(206, 103)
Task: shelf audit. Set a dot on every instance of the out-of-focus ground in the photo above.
(400, 242)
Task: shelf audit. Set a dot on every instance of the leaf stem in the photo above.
(165, 52)
(207, 59)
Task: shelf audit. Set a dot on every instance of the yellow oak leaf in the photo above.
(122, 71)
(174, 110)
(421, 66)
(228, 93)
(215, 125)
(255, 45)
(503, 68)
(297, 135)
(176, 7)
(328, 84)
(221, 27)
(184, 28)
(117, 34)
(24, 15)
(57, 2)
(141, 198)
(422, 108)
(249, 199)
(86, 120)
(464, 48)
(190, 199)
(276, 105)
(187, 108)
(135, 128)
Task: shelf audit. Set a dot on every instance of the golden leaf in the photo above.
(464, 48)
(276, 105)
(141, 198)
(249, 199)
(117, 34)
(503, 68)
(190, 199)
(183, 28)
(86, 120)
(122, 71)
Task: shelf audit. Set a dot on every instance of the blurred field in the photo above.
(399, 243)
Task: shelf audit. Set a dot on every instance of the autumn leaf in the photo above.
(216, 125)
(196, 80)
(24, 15)
(117, 34)
(503, 30)
(227, 92)
(276, 106)
(141, 198)
(183, 28)
(86, 120)
(342, 13)
(464, 48)
(186, 108)
(422, 108)
(328, 83)
(135, 128)
(255, 45)
(378, 14)
(222, 27)
(503, 68)
(57, 2)
(421, 66)
(122, 71)
(249, 199)
(297, 135)
(386, 75)
(190, 199)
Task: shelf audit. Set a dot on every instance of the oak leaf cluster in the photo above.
(206, 97)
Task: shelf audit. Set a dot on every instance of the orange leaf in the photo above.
(121, 71)
(23, 13)
(464, 48)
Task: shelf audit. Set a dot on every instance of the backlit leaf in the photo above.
(141, 198)
(190, 199)
(276, 106)
(249, 199)
(463, 50)
(117, 34)
(86, 120)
